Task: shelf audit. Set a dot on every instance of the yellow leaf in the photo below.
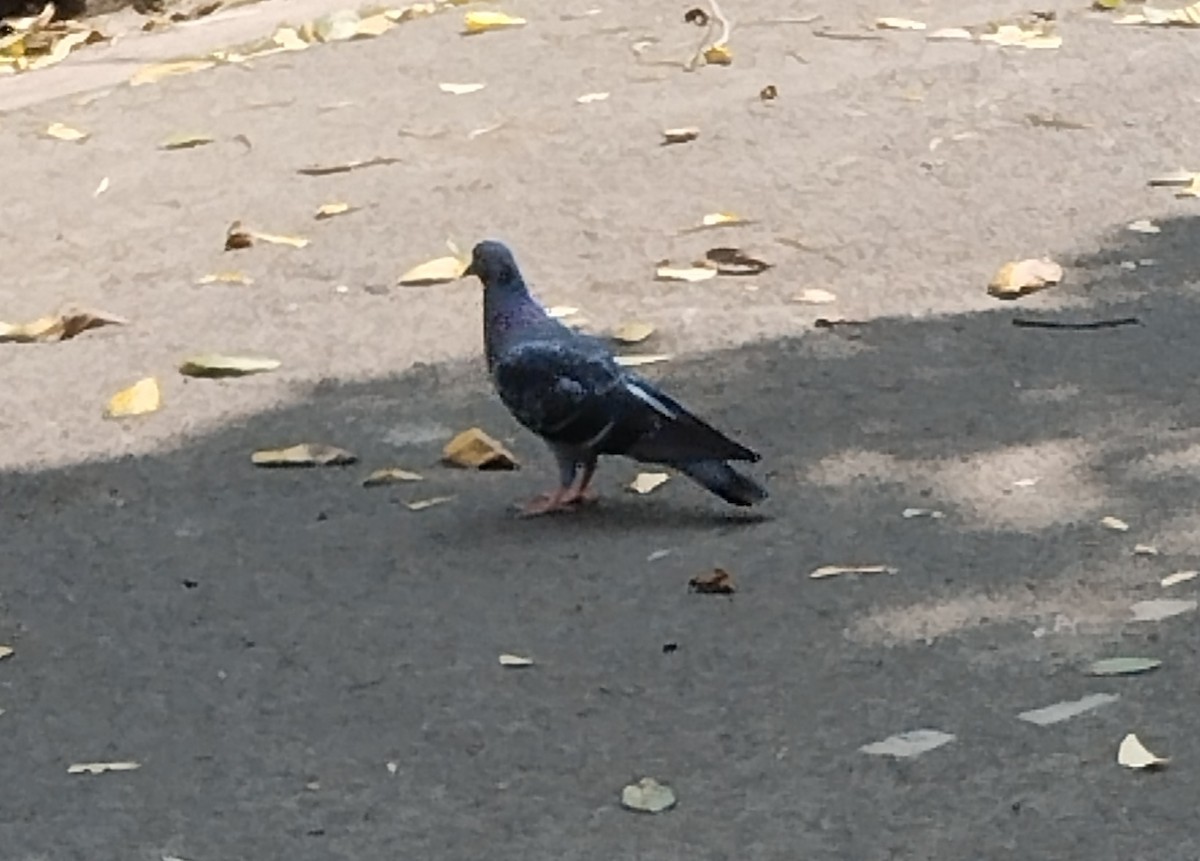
(474, 449)
(375, 25)
(951, 34)
(61, 132)
(58, 327)
(154, 74)
(185, 141)
(139, 399)
(440, 270)
(329, 210)
(229, 277)
(303, 454)
(391, 475)
(64, 46)
(666, 272)
(648, 481)
(216, 365)
(461, 89)
(718, 55)
(483, 22)
(277, 239)
(1022, 277)
(632, 333)
(898, 24)
(288, 38)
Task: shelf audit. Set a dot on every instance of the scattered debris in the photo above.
(1077, 326)
(391, 475)
(645, 482)
(898, 24)
(227, 277)
(185, 141)
(1133, 754)
(214, 365)
(485, 22)
(814, 296)
(632, 333)
(474, 449)
(680, 135)
(716, 582)
(1145, 550)
(422, 504)
(734, 261)
(1066, 710)
(838, 570)
(507, 660)
(1157, 609)
(58, 327)
(331, 210)
(769, 93)
(664, 271)
(1144, 225)
(345, 167)
(101, 188)
(157, 72)
(238, 237)
(140, 399)
(906, 745)
(6, 652)
(1178, 577)
(648, 796)
(1152, 16)
(631, 361)
(589, 98)
(61, 132)
(440, 270)
(1022, 277)
(1116, 524)
(461, 89)
(303, 455)
(1123, 666)
(102, 767)
(931, 513)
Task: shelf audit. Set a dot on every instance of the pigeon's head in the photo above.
(493, 264)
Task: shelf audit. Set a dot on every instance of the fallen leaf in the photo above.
(814, 296)
(1158, 609)
(837, 570)
(330, 210)
(474, 449)
(1175, 179)
(722, 219)
(1033, 34)
(303, 454)
(58, 327)
(951, 34)
(666, 272)
(718, 55)
(390, 475)
(715, 582)
(141, 398)
(61, 132)
(637, 361)
(1192, 190)
(648, 796)
(185, 141)
(1178, 577)
(230, 277)
(898, 24)
(216, 365)
(422, 504)
(1065, 710)
(374, 25)
(1181, 16)
(645, 482)
(101, 188)
(1116, 524)
(461, 89)
(238, 237)
(632, 333)
(346, 167)
(909, 744)
(507, 660)
(557, 312)
(440, 270)
(155, 73)
(588, 98)
(931, 513)
(484, 22)
(1123, 666)
(1022, 277)
(1145, 550)
(734, 261)
(1133, 754)
(680, 135)
(6, 652)
(1144, 225)
(102, 767)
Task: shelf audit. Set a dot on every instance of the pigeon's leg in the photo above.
(556, 500)
(578, 492)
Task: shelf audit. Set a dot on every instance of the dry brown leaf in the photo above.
(632, 333)
(140, 399)
(58, 327)
(303, 454)
(101, 767)
(155, 73)
(346, 167)
(474, 449)
(1133, 754)
(330, 210)
(837, 570)
(391, 475)
(62, 132)
(898, 24)
(228, 277)
(715, 582)
(461, 89)
(484, 22)
(679, 135)
(422, 504)
(440, 270)
(638, 361)
(1022, 277)
(185, 141)
(214, 365)
(646, 482)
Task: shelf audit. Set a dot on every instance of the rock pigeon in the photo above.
(568, 389)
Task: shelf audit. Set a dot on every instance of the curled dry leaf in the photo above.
(632, 333)
(1175, 179)
(303, 454)
(637, 361)
(814, 296)
(215, 365)
(1133, 754)
(102, 767)
(331, 210)
(461, 89)
(679, 135)
(1115, 524)
(734, 261)
(484, 22)
(346, 167)
(648, 796)
(58, 327)
(227, 277)
(715, 582)
(645, 482)
(185, 141)
(440, 270)
(391, 475)
(474, 449)
(838, 570)
(1022, 277)
(238, 237)
(1178, 577)
(898, 24)
(1123, 666)
(422, 504)
(140, 399)
(61, 132)
(507, 660)
(588, 98)
(665, 271)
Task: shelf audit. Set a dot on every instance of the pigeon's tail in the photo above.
(722, 479)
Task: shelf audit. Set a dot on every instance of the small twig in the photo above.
(1094, 324)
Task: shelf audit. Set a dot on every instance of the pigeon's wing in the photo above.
(668, 432)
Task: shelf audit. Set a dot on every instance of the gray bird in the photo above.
(568, 389)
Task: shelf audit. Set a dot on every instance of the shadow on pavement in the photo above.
(265, 643)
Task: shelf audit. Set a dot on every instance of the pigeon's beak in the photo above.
(470, 270)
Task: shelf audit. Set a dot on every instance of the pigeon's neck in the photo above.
(508, 312)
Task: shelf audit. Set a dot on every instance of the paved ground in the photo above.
(264, 644)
